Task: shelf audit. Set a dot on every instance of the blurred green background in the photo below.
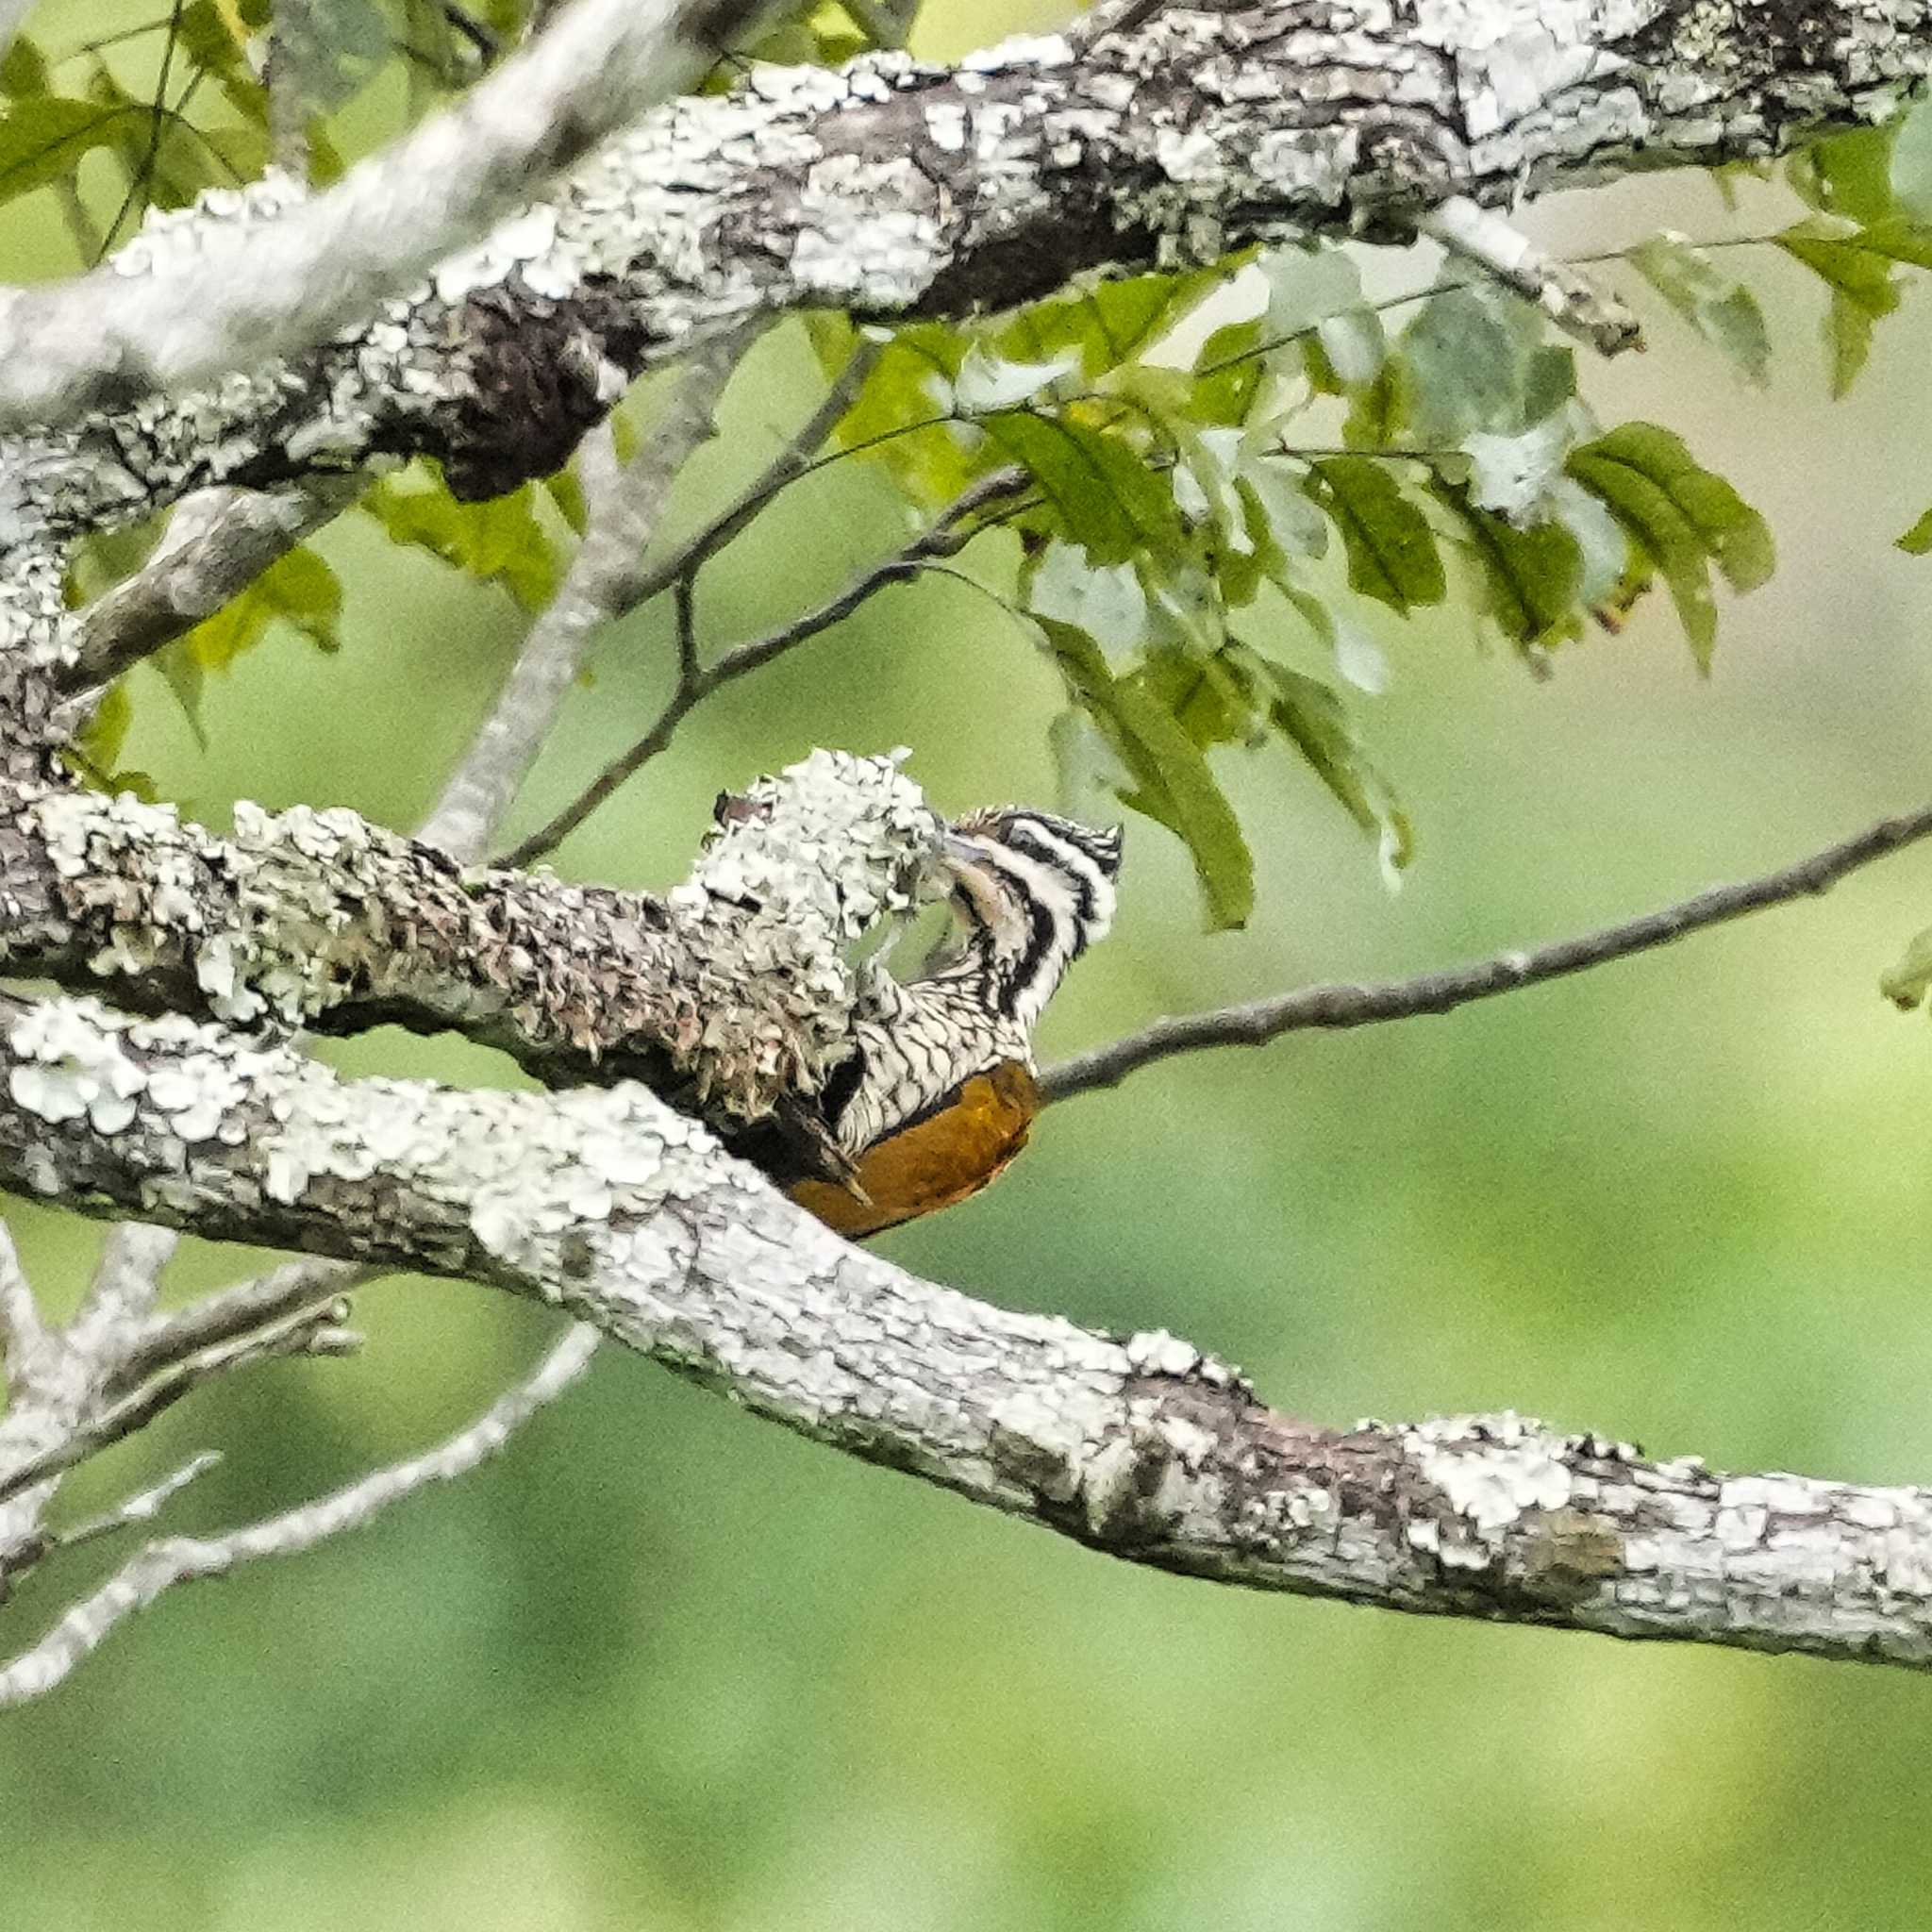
(666, 1667)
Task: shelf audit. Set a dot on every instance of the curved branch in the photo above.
(611, 1205)
(1256, 1022)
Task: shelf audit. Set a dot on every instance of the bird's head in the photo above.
(1033, 892)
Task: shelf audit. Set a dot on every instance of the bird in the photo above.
(937, 1093)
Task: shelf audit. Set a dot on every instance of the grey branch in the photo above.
(179, 1559)
(951, 531)
(611, 1205)
(897, 189)
(625, 503)
(1258, 1022)
(200, 566)
(198, 300)
(1566, 294)
(320, 919)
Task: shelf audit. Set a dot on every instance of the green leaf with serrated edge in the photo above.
(1313, 719)
(1391, 551)
(1099, 489)
(1737, 538)
(1907, 984)
(1719, 307)
(1171, 782)
(1680, 516)
(300, 590)
(23, 69)
(497, 541)
(1917, 541)
(1847, 175)
(1112, 325)
(44, 138)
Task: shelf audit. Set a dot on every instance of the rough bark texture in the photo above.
(892, 190)
(627, 1214)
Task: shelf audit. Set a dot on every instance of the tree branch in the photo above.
(948, 535)
(179, 1559)
(1256, 1022)
(320, 919)
(218, 296)
(198, 567)
(609, 1203)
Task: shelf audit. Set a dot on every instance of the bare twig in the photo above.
(144, 1505)
(1333, 1007)
(624, 504)
(307, 1331)
(122, 1293)
(216, 545)
(180, 1559)
(1565, 294)
(785, 469)
(949, 534)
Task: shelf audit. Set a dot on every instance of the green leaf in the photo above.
(1171, 782)
(497, 541)
(1848, 175)
(1209, 698)
(300, 590)
(1114, 323)
(1861, 284)
(1917, 541)
(1099, 489)
(44, 138)
(1530, 580)
(106, 733)
(1682, 517)
(1478, 361)
(1721, 309)
(1391, 551)
(23, 69)
(1314, 720)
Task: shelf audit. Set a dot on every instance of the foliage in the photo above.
(1228, 482)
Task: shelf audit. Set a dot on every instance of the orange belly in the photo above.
(941, 1157)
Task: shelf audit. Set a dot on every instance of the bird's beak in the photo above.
(960, 854)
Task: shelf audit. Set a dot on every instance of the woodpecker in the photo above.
(936, 1095)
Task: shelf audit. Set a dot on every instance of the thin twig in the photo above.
(143, 1507)
(122, 1293)
(793, 462)
(1334, 1006)
(307, 1331)
(179, 1559)
(948, 535)
(232, 1313)
(625, 503)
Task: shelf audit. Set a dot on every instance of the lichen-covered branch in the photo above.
(736, 985)
(607, 1203)
(893, 189)
(218, 296)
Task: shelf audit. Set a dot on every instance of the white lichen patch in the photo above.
(1491, 1469)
